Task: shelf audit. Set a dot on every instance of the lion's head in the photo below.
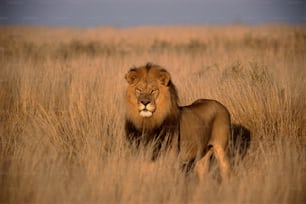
(151, 98)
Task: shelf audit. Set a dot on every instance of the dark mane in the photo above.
(174, 94)
(160, 137)
(148, 66)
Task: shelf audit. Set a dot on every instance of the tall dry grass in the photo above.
(62, 111)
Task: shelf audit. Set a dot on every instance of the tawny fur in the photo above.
(195, 131)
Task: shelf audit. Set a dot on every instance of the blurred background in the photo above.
(127, 13)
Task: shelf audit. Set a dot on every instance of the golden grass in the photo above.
(62, 110)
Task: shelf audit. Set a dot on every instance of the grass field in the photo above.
(62, 112)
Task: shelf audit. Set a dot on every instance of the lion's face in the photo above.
(148, 96)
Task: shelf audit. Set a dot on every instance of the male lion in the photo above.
(196, 131)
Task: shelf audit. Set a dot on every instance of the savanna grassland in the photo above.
(62, 112)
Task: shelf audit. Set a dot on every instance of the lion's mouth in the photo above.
(146, 113)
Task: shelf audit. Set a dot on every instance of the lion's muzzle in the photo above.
(146, 113)
(146, 108)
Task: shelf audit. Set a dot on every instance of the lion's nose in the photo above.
(145, 101)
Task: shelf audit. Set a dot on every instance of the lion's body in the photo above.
(203, 124)
(153, 116)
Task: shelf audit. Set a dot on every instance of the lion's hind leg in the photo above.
(202, 165)
(223, 161)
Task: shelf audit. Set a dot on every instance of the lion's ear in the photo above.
(164, 77)
(131, 76)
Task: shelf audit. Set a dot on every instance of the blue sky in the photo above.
(89, 13)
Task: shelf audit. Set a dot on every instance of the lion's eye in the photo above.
(155, 91)
(138, 91)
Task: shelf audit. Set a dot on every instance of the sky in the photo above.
(128, 13)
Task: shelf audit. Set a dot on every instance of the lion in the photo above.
(195, 131)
